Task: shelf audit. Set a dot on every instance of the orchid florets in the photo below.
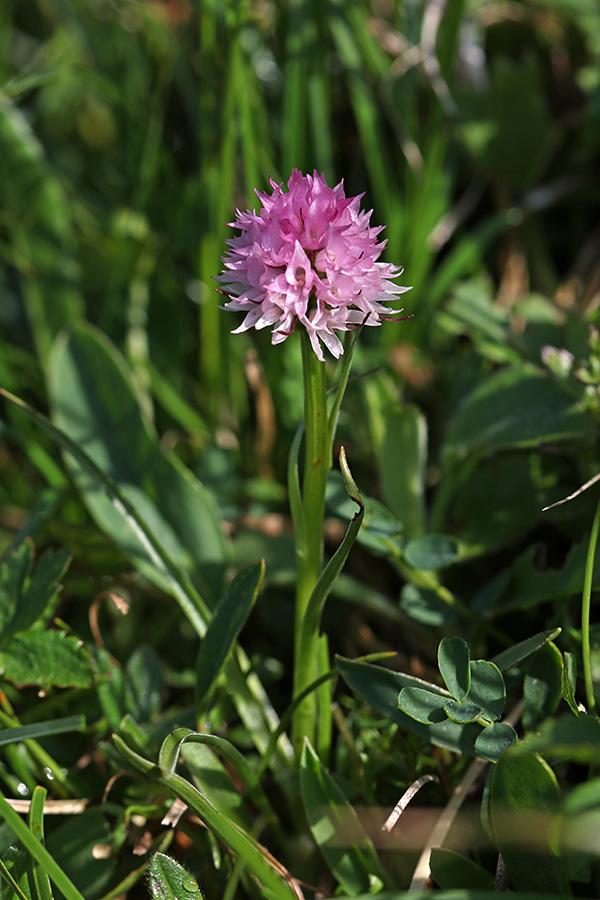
(308, 257)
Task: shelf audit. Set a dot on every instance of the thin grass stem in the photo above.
(586, 602)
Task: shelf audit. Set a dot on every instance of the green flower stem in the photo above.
(586, 601)
(309, 544)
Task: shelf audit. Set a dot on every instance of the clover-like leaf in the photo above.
(462, 712)
(494, 740)
(453, 659)
(421, 705)
(487, 689)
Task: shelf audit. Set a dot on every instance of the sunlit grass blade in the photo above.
(39, 882)
(39, 730)
(38, 851)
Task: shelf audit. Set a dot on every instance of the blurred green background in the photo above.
(131, 129)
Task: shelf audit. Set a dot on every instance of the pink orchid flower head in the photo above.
(309, 256)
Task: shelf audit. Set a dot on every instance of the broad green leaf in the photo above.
(274, 885)
(494, 740)
(517, 407)
(507, 129)
(525, 804)
(581, 826)
(181, 411)
(487, 688)
(465, 258)
(168, 880)
(335, 827)
(14, 570)
(573, 737)
(425, 606)
(39, 599)
(380, 688)
(542, 686)
(530, 586)
(487, 596)
(472, 310)
(462, 712)
(448, 39)
(453, 870)
(95, 403)
(422, 705)
(495, 504)
(583, 797)
(178, 583)
(517, 653)
(13, 872)
(144, 684)
(27, 596)
(380, 531)
(432, 551)
(402, 457)
(569, 681)
(228, 620)
(454, 658)
(48, 659)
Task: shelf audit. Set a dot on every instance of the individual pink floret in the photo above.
(309, 256)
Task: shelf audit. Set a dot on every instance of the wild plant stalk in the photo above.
(308, 260)
(309, 543)
(320, 425)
